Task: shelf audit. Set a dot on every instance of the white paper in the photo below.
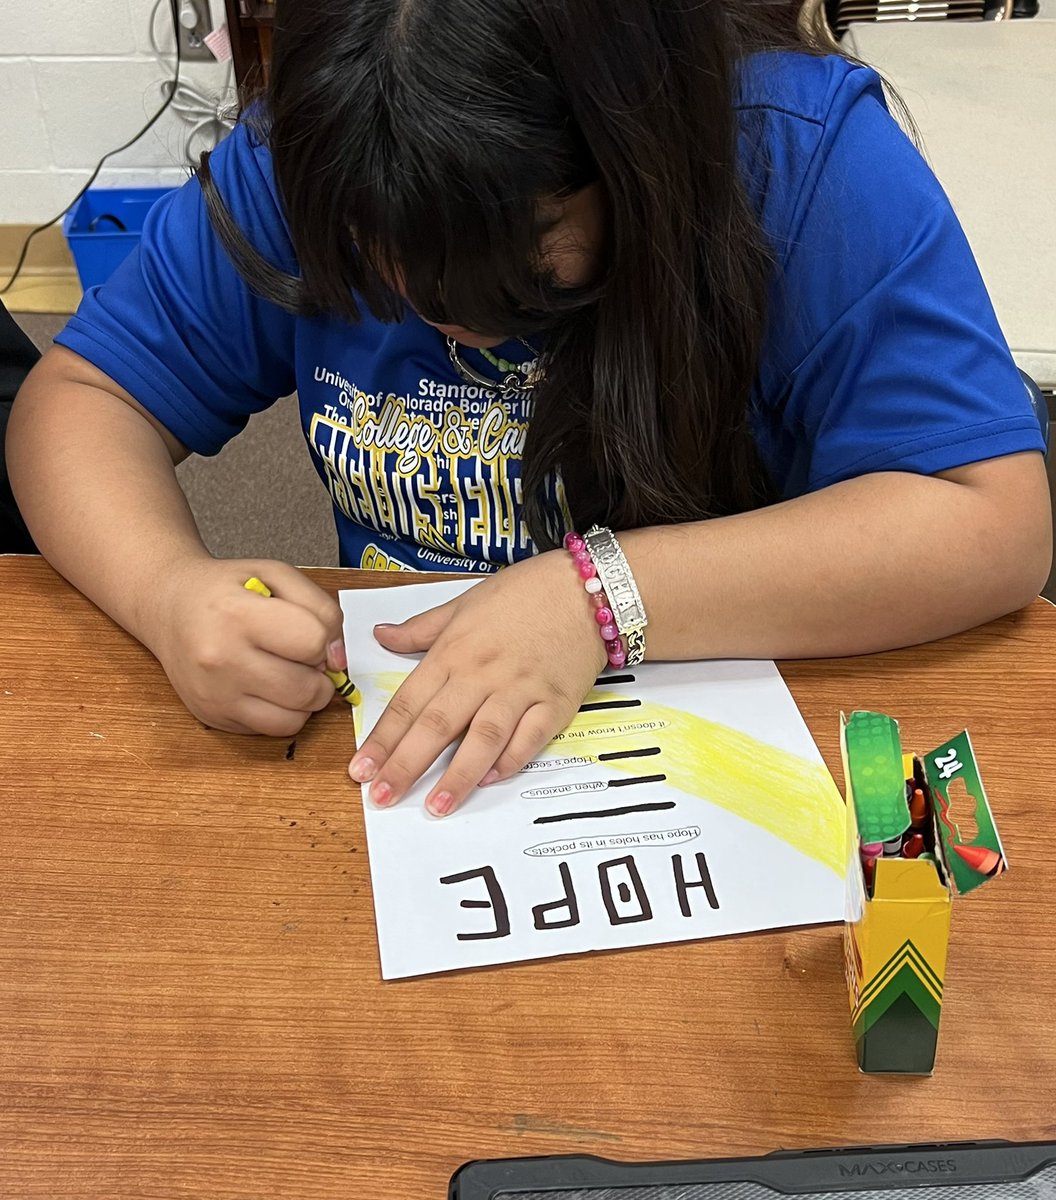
(744, 831)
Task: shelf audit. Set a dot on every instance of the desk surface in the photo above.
(190, 1001)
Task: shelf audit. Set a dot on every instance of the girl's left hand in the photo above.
(506, 668)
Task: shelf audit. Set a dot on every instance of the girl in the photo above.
(534, 266)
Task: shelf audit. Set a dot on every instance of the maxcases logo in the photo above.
(899, 1166)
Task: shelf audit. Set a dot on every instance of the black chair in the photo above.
(17, 356)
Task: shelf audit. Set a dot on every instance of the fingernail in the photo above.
(385, 625)
(491, 776)
(362, 770)
(336, 658)
(380, 794)
(440, 804)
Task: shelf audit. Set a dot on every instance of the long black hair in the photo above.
(415, 139)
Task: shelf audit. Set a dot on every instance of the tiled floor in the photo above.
(244, 510)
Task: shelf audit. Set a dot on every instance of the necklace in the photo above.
(519, 377)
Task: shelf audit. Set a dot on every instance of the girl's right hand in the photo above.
(243, 662)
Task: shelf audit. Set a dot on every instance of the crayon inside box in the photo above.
(927, 832)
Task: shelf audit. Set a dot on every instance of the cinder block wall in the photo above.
(76, 80)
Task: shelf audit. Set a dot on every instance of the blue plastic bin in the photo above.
(104, 226)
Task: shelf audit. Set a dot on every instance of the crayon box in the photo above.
(919, 832)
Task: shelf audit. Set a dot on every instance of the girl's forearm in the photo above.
(96, 483)
(881, 561)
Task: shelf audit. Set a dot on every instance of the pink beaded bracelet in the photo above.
(610, 635)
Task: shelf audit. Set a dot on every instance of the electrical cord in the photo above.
(204, 114)
(173, 86)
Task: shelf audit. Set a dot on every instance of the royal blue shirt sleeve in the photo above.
(176, 325)
(886, 353)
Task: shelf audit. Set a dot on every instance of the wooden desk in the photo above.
(190, 1002)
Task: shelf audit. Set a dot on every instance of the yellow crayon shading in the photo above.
(791, 797)
(344, 686)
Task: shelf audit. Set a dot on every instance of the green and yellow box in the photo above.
(899, 908)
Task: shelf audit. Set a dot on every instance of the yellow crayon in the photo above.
(344, 686)
(346, 689)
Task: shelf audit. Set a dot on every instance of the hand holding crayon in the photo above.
(344, 686)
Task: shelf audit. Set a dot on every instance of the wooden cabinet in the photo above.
(249, 23)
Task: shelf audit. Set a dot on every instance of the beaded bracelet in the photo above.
(614, 571)
(603, 614)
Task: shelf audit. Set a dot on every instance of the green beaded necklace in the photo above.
(504, 365)
(518, 377)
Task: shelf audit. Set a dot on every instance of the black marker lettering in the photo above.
(567, 903)
(682, 887)
(496, 901)
(587, 814)
(600, 705)
(615, 755)
(643, 911)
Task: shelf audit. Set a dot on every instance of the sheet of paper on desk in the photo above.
(701, 808)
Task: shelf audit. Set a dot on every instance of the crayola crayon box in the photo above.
(919, 831)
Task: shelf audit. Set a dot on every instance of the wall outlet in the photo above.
(194, 23)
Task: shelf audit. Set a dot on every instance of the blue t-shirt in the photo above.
(882, 351)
